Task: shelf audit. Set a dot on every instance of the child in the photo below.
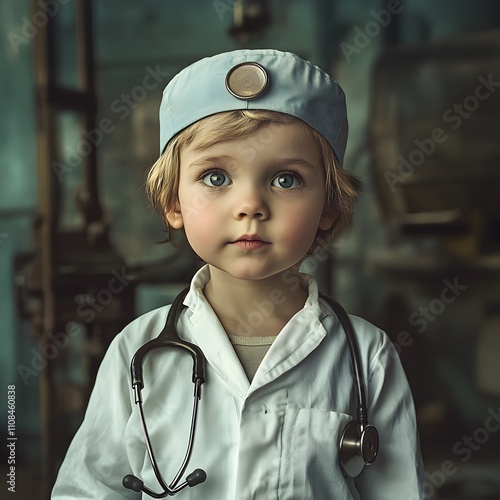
(252, 143)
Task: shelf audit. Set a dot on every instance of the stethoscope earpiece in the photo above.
(357, 448)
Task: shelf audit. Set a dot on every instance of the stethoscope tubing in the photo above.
(362, 411)
(171, 488)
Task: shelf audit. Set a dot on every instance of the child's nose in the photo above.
(251, 204)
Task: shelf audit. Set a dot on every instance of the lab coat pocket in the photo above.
(310, 466)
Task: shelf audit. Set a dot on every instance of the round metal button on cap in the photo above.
(247, 80)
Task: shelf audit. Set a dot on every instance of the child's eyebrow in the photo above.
(210, 160)
(283, 162)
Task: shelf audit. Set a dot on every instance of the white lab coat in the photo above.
(276, 438)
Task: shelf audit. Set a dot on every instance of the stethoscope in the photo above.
(359, 443)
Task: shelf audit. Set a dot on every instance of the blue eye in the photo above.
(216, 179)
(286, 181)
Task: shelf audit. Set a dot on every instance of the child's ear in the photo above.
(327, 220)
(174, 217)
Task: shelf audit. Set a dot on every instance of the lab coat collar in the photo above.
(300, 336)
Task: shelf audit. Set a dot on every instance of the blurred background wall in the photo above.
(79, 133)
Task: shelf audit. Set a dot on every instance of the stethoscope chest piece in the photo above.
(358, 448)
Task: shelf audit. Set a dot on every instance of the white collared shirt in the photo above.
(274, 438)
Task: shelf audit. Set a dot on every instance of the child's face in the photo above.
(269, 185)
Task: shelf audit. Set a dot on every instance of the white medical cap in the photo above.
(255, 79)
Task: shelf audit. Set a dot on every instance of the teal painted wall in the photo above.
(18, 205)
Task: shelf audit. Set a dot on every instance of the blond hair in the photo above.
(162, 183)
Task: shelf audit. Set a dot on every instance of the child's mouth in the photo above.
(250, 242)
